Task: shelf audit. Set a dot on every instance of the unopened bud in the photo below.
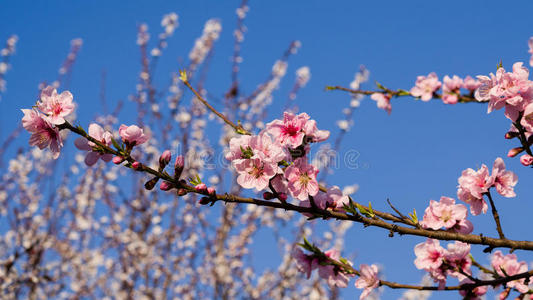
(165, 186)
(268, 196)
(165, 158)
(526, 159)
(178, 166)
(211, 190)
(282, 197)
(205, 200)
(202, 188)
(511, 135)
(182, 192)
(515, 151)
(118, 160)
(150, 184)
(136, 165)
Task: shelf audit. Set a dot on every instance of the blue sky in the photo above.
(413, 155)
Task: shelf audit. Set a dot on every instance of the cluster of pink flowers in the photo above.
(440, 262)
(335, 276)
(426, 86)
(474, 184)
(447, 214)
(260, 159)
(508, 265)
(42, 120)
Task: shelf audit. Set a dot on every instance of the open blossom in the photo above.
(55, 106)
(305, 263)
(425, 86)
(447, 214)
(429, 255)
(504, 180)
(293, 128)
(383, 101)
(132, 135)
(527, 118)
(98, 133)
(526, 159)
(43, 134)
(508, 265)
(457, 258)
(450, 89)
(471, 84)
(368, 280)
(474, 294)
(511, 90)
(254, 173)
(333, 199)
(472, 186)
(302, 179)
(333, 274)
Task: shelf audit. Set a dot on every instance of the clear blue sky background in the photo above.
(414, 155)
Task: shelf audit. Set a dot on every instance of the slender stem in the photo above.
(522, 135)
(495, 215)
(238, 128)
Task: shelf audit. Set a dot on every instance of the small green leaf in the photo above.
(116, 144)
(413, 216)
(380, 86)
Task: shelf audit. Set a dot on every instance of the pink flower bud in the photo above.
(202, 188)
(136, 165)
(164, 159)
(511, 135)
(165, 186)
(282, 197)
(515, 151)
(132, 135)
(117, 160)
(268, 196)
(526, 159)
(180, 162)
(211, 190)
(182, 192)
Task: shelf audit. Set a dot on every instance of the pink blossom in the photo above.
(368, 279)
(333, 199)
(446, 214)
(236, 147)
(280, 184)
(457, 258)
(526, 159)
(509, 89)
(530, 51)
(508, 265)
(476, 292)
(267, 149)
(334, 275)
(254, 173)
(98, 133)
(450, 89)
(383, 101)
(305, 263)
(527, 118)
(471, 84)
(165, 158)
(425, 86)
(504, 180)
(289, 131)
(313, 134)
(43, 134)
(132, 135)
(55, 106)
(429, 255)
(302, 179)
(472, 186)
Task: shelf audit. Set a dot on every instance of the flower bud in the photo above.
(178, 166)
(150, 184)
(117, 160)
(515, 151)
(182, 192)
(282, 197)
(511, 135)
(205, 201)
(268, 196)
(165, 158)
(526, 159)
(136, 165)
(165, 186)
(211, 190)
(201, 188)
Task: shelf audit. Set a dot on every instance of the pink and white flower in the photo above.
(333, 199)
(333, 274)
(254, 173)
(457, 258)
(55, 106)
(98, 133)
(471, 84)
(450, 89)
(368, 279)
(508, 265)
(132, 135)
(383, 101)
(293, 128)
(472, 186)
(43, 133)
(305, 263)
(429, 255)
(302, 179)
(447, 214)
(504, 180)
(425, 86)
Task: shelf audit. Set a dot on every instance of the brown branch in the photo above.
(495, 215)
